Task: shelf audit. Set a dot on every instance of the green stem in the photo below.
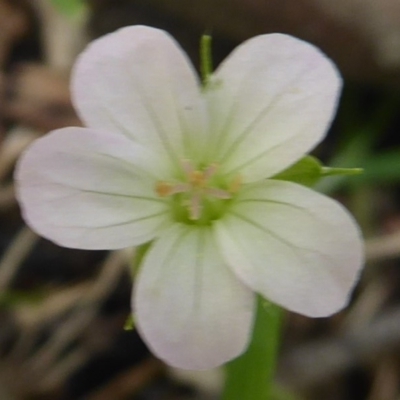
(251, 375)
(206, 65)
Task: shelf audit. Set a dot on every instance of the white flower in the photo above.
(166, 161)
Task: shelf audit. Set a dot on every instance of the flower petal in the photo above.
(296, 247)
(86, 189)
(190, 308)
(137, 81)
(272, 101)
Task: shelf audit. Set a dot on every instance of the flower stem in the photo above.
(206, 64)
(251, 375)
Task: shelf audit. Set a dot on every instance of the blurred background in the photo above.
(62, 312)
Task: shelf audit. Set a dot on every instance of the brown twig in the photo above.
(15, 254)
(86, 310)
(319, 360)
(383, 247)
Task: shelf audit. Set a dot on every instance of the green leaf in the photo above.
(71, 8)
(309, 170)
(332, 171)
(355, 152)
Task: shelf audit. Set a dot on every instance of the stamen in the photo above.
(218, 193)
(163, 189)
(235, 185)
(210, 171)
(180, 188)
(187, 167)
(196, 187)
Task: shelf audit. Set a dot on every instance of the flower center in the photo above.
(200, 194)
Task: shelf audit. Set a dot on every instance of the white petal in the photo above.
(296, 247)
(190, 308)
(273, 100)
(90, 190)
(138, 81)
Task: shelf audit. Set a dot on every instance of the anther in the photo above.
(163, 189)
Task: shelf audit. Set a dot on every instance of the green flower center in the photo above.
(200, 195)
